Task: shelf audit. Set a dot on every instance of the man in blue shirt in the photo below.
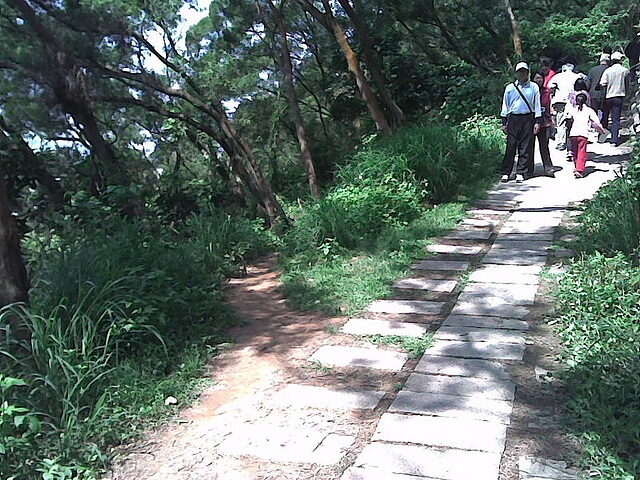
(521, 117)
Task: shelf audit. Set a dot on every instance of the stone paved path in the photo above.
(449, 421)
(448, 416)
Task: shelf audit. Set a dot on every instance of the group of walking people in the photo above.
(563, 106)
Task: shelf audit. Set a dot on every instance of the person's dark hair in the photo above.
(545, 62)
(581, 99)
(580, 84)
(537, 72)
(607, 49)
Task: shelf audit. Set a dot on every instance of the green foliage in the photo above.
(471, 93)
(611, 221)
(18, 427)
(414, 346)
(453, 161)
(127, 305)
(599, 304)
(342, 281)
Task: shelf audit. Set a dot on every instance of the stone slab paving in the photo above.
(369, 326)
(504, 257)
(516, 294)
(496, 389)
(479, 321)
(525, 227)
(405, 306)
(431, 433)
(521, 248)
(479, 212)
(511, 274)
(282, 444)
(472, 334)
(462, 367)
(421, 283)
(442, 265)
(452, 406)
(371, 473)
(432, 463)
(491, 306)
(532, 468)
(536, 219)
(454, 249)
(526, 237)
(485, 350)
(340, 356)
(326, 398)
(442, 432)
(470, 235)
(480, 222)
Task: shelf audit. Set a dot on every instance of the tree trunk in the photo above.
(69, 84)
(369, 56)
(287, 69)
(13, 141)
(14, 283)
(515, 28)
(331, 24)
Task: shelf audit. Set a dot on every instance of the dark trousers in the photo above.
(613, 107)
(520, 141)
(543, 145)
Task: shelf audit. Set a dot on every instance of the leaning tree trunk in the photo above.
(331, 24)
(14, 283)
(396, 112)
(287, 69)
(515, 28)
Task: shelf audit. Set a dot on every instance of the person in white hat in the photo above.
(595, 74)
(521, 117)
(615, 82)
(561, 86)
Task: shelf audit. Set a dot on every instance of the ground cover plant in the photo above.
(599, 306)
(121, 319)
(389, 200)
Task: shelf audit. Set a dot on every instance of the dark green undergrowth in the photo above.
(388, 202)
(122, 319)
(599, 306)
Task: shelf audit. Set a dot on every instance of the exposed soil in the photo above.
(272, 349)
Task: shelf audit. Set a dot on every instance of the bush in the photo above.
(599, 304)
(451, 161)
(126, 305)
(611, 221)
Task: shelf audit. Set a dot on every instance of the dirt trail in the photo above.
(271, 350)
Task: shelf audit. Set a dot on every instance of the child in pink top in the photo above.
(582, 117)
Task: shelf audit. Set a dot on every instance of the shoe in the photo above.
(504, 178)
(519, 178)
(561, 147)
(569, 158)
(578, 174)
(550, 172)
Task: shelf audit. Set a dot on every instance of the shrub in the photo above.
(451, 161)
(599, 304)
(611, 221)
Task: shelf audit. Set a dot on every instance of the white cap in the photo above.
(522, 65)
(617, 56)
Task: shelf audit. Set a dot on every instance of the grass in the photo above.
(123, 306)
(598, 303)
(414, 346)
(347, 281)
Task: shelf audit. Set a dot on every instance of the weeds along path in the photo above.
(302, 396)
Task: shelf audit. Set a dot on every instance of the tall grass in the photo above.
(126, 306)
(346, 249)
(599, 306)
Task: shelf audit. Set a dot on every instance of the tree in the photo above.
(329, 21)
(287, 70)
